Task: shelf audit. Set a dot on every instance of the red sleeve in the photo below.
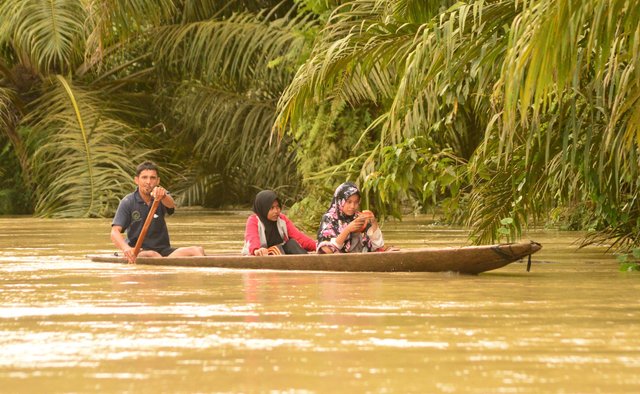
(304, 241)
(251, 235)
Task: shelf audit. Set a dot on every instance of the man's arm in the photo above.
(120, 243)
(165, 198)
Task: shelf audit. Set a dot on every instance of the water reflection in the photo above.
(71, 325)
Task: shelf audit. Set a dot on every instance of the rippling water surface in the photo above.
(69, 325)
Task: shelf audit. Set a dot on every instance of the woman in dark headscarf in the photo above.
(268, 231)
(344, 228)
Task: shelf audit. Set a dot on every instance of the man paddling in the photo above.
(133, 211)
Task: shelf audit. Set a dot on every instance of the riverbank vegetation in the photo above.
(492, 112)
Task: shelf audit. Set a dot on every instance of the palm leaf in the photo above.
(81, 156)
(50, 32)
(234, 51)
(237, 67)
(350, 61)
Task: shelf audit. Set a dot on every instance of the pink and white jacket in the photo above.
(254, 237)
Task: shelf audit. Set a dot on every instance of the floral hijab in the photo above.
(334, 221)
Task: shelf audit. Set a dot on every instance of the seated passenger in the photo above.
(268, 231)
(343, 229)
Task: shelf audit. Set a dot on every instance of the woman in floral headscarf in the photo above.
(344, 228)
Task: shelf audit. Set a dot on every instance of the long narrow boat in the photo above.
(467, 260)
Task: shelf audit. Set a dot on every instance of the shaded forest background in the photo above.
(498, 114)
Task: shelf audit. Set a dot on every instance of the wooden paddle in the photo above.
(145, 227)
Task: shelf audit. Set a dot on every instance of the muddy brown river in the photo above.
(69, 325)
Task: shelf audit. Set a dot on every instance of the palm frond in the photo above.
(8, 110)
(416, 11)
(237, 67)
(242, 49)
(557, 47)
(356, 58)
(224, 122)
(50, 32)
(193, 11)
(451, 65)
(232, 131)
(10, 114)
(82, 158)
(111, 23)
(194, 186)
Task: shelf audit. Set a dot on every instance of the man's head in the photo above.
(147, 177)
(147, 165)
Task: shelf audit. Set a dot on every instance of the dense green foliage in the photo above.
(90, 88)
(630, 261)
(506, 111)
(499, 113)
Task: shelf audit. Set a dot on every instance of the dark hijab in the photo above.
(261, 206)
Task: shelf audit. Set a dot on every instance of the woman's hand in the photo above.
(368, 217)
(261, 252)
(326, 250)
(374, 223)
(356, 225)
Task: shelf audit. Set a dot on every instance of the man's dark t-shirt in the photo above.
(131, 214)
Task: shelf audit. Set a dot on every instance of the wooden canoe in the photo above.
(467, 260)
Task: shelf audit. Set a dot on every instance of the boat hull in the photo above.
(467, 259)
